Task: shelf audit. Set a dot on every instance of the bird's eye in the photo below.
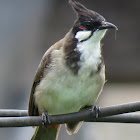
(88, 24)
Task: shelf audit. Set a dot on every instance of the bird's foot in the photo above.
(94, 110)
(45, 118)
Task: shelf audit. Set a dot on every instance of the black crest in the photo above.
(82, 10)
(79, 8)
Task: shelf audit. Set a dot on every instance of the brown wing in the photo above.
(45, 61)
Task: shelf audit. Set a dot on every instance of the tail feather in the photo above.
(73, 127)
(48, 133)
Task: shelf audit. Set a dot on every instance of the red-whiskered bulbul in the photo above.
(71, 73)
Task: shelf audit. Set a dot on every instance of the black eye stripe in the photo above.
(97, 23)
(91, 24)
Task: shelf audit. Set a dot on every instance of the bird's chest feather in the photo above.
(60, 91)
(66, 93)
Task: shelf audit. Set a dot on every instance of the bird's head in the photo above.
(89, 23)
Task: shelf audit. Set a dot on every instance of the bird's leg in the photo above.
(45, 118)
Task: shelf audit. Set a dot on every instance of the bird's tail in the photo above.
(49, 133)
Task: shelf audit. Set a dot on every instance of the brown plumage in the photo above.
(45, 61)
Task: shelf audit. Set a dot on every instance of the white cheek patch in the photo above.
(82, 35)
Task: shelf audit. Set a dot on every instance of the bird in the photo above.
(71, 74)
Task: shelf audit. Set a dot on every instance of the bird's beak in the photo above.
(107, 25)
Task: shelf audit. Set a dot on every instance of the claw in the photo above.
(45, 118)
(95, 111)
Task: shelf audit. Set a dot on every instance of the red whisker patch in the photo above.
(83, 28)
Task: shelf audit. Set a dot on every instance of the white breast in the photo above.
(90, 50)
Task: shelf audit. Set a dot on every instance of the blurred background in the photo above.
(29, 27)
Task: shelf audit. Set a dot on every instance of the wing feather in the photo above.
(45, 61)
